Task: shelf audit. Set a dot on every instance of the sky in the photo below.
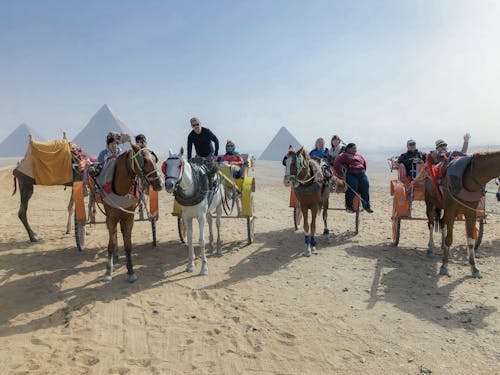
(374, 72)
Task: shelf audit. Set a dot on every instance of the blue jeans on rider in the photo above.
(359, 183)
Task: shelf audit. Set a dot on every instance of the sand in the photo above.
(358, 306)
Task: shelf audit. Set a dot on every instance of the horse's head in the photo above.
(173, 169)
(295, 163)
(144, 166)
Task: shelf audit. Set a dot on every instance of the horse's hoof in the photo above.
(476, 275)
(132, 278)
(313, 250)
(204, 272)
(443, 271)
(431, 253)
(34, 239)
(190, 268)
(116, 259)
(307, 253)
(326, 231)
(219, 253)
(107, 278)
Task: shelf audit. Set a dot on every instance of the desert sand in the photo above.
(358, 306)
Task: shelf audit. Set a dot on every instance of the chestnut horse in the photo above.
(133, 164)
(484, 167)
(305, 174)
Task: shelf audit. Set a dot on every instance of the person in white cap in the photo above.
(411, 157)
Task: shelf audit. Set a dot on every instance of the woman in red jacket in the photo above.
(233, 158)
(355, 166)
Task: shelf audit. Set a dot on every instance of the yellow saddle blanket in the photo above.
(49, 163)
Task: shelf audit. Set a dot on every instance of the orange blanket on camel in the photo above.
(51, 162)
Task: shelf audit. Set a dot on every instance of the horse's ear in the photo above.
(170, 153)
(181, 152)
(300, 150)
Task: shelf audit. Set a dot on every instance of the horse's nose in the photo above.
(169, 185)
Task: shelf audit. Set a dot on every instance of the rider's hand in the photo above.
(466, 137)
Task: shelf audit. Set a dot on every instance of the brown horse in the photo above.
(137, 162)
(305, 174)
(483, 167)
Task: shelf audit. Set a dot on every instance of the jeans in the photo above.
(359, 183)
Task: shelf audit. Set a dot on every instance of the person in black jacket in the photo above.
(411, 157)
(202, 139)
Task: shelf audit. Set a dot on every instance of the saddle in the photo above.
(105, 184)
(200, 178)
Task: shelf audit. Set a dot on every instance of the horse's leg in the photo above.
(430, 209)
(126, 225)
(204, 266)
(307, 235)
(218, 212)
(188, 221)
(470, 223)
(325, 204)
(71, 204)
(314, 213)
(111, 223)
(116, 257)
(446, 239)
(210, 246)
(26, 191)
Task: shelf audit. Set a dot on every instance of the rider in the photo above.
(337, 147)
(140, 140)
(356, 178)
(319, 152)
(441, 152)
(112, 149)
(202, 139)
(233, 158)
(411, 156)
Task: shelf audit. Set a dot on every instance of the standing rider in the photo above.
(202, 139)
(140, 140)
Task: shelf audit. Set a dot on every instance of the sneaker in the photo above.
(369, 210)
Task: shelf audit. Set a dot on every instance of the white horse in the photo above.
(189, 184)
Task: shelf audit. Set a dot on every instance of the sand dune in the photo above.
(358, 306)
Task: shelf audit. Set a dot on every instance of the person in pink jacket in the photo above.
(354, 165)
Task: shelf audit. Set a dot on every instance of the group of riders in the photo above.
(341, 158)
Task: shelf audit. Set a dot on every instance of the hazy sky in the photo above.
(374, 72)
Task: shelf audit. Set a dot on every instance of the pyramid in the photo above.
(17, 142)
(278, 147)
(92, 138)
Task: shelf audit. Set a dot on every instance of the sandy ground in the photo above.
(358, 306)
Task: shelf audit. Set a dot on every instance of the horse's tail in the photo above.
(437, 220)
(15, 186)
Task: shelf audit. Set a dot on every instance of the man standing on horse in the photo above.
(202, 139)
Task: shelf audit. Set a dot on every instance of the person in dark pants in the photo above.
(356, 178)
(202, 139)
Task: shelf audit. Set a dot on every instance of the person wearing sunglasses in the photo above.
(411, 157)
(233, 158)
(441, 152)
(202, 139)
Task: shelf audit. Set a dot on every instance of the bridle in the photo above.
(137, 160)
(181, 171)
(300, 165)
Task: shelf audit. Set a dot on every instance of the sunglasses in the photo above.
(412, 144)
(195, 125)
(442, 145)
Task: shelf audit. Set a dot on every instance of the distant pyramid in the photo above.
(93, 137)
(17, 142)
(279, 145)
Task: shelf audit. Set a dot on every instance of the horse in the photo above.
(189, 184)
(136, 162)
(483, 167)
(306, 176)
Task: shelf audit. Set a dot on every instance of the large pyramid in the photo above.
(17, 142)
(279, 145)
(93, 136)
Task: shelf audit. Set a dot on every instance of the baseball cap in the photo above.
(441, 142)
(410, 141)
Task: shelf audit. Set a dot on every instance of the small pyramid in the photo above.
(92, 138)
(278, 147)
(17, 142)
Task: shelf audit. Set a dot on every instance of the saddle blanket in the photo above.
(455, 172)
(105, 181)
(200, 180)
